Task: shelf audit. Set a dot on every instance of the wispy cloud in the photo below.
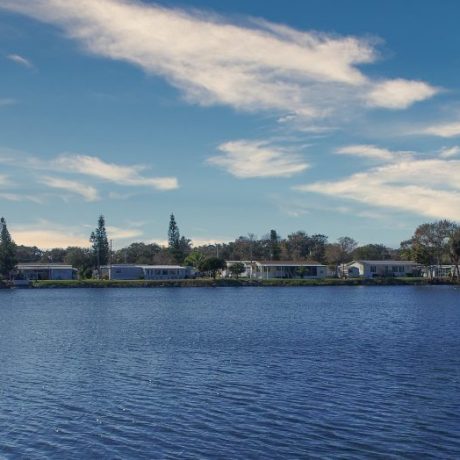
(215, 61)
(248, 159)
(86, 191)
(119, 174)
(21, 197)
(117, 233)
(91, 166)
(449, 152)
(425, 187)
(20, 60)
(373, 152)
(448, 129)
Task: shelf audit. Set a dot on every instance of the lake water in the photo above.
(256, 373)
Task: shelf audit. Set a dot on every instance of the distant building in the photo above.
(380, 268)
(226, 273)
(275, 269)
(54, 272)
(145, 272)
(288, 269)
(440, 271)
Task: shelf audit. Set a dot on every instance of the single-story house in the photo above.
(440, 271)
(226, 273)
(54, 272)
(380, 268)
(145, 272)
(287, 269)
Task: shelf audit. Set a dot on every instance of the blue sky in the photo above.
(332, 117)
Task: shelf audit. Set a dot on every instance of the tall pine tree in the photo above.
(275, 250)
(100, 244)
(177, 245)
(7, 251)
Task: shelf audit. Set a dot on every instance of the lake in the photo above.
(256, 373)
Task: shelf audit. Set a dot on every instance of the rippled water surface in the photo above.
(339, 372)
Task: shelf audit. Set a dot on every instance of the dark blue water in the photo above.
(340, 372)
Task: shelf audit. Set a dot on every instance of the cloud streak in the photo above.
(451, 129)
(86, 191)
(372, 152)
(22, 61)
(246, 159)
(119, 174)
(253, 66)
(449, 152)
(425, 187)
(90, 166)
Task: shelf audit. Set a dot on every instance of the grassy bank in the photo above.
(238, 283)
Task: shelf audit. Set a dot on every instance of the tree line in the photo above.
(432, 244)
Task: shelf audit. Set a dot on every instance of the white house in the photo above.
(32, 272)
(380, 268)
(226, 273)
(145, 272)
(440, 271)
(273, 269)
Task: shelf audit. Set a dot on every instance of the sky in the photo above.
(334, 117)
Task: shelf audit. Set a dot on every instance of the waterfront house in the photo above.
(380, 268)
(226, 273)
(274, 269)
(440, 271)
(145, 272)
(54, 272)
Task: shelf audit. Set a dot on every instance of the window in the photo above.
(373, 268)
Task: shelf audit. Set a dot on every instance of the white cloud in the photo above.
(246, 159)
(47, 235)
(399, 93)
(425, 187)
(125, 175)
(372, 151)
(20, 60)
(19, 197)
(119, 174)
(442, 130)
(255, 66)
(86, 191)
(449, 152)
(117, 233)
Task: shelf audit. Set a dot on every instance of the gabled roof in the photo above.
(384, 262)
(164, 267)
(288, 263)
(142, 266)
(43, 267)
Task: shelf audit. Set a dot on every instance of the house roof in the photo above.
(44, 266)
(164, 267)
(141, 266)
(288, 263)
(384, 262)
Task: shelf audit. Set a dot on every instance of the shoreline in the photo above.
(207, 282)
